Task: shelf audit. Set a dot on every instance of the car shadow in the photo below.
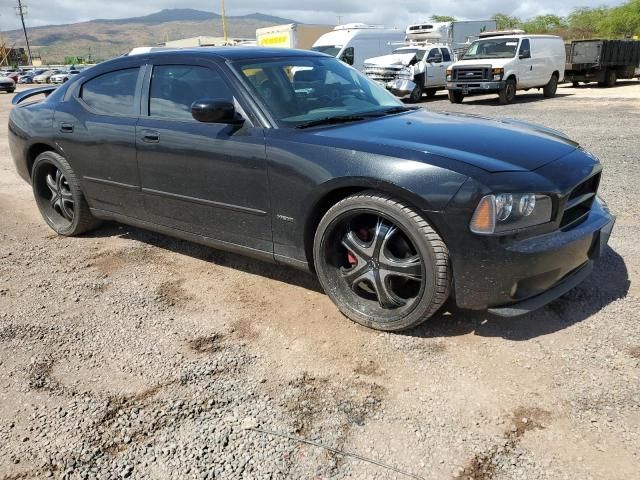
(521, 98)
(608, 283)
(594, 85)
(272, 271)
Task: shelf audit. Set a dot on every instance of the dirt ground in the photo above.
(126, 353)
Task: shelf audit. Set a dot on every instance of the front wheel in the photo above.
(380, 262)
(508, 93)
(58, 195)
(431, 92)
(456, 96)
(549, 90)
(416, 94)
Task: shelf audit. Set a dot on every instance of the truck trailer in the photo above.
(602, 61)
(293, 35)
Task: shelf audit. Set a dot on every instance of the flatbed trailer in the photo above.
(602, 61)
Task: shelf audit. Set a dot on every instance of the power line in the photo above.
(21, 11)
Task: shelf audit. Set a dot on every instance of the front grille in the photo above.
(382, 74)
(471, 74)
(579, 202)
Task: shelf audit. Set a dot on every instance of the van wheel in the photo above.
(575, 84)
(416, 94)
(456, 96)
(550, 88)
(508, 93)
(380, 262)
(431, 92)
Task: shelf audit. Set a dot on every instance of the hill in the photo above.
(106, 38)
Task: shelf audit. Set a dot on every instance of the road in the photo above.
(126, 353)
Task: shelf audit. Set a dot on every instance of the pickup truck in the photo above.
(412, 70)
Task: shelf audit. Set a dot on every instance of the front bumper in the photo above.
(475, 87)
(516, 277)
(400, 88)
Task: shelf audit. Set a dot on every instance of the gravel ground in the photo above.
(127, 354)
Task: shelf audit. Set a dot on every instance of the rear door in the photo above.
(96, 128)
(208, 179)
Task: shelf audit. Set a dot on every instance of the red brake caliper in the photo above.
(351, 258)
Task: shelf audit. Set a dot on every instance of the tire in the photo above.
(550, 89)
(508, 93)
(59, 197)
(402, 280)
(575, 84)
(611, 78)
(431, 92)
(416, 94)
(456, 96)
(11, 91)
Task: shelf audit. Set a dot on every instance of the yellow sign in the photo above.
(275, 40)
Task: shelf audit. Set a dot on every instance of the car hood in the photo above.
(399, 59)
(489, 144)
(5, 79)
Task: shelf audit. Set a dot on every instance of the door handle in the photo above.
(66, 128)
(150, 136)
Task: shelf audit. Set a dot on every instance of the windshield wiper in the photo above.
(332, 120)
(398, 109)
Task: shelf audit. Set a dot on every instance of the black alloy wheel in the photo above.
(380, 262)
(508, 93)
(58, 195)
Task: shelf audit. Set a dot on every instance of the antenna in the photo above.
(224, 23)
(21, 11)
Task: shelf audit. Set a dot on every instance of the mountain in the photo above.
(106, 38)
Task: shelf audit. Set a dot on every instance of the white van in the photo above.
(507, 62)
(355, 42)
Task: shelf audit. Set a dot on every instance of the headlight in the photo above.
(497, 73)
(510, 211)
(405, 73)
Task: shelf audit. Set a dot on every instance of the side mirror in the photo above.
(525, 54)
(213, 110)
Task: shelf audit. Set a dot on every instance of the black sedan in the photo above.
(296, 158)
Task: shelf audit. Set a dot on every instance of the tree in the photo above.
(442, 18)
(544, 24)
(622, 21)
(586, 22)
(506, 22)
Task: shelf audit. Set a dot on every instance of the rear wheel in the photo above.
(611, 78)
(456, 96)
(508, 93)
(549, 90)
(575, 84)
(58, 195)
(381, 262)
(431, 92)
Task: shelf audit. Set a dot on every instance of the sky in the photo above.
(384, 12)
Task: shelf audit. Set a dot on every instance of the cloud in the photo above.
(398, 14)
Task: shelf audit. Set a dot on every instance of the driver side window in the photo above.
(525, 48)
(434, 53)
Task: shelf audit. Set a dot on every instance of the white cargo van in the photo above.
(355, 42)
(507, 62)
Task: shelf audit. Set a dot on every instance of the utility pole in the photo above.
(21, 10)
(224, 23)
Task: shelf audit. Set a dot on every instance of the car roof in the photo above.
(231, 53)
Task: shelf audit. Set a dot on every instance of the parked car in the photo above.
(63, 76)
(393, 207)
(353, 43)
(412, 70)
(45, 77)
(27, 77)
(506, 63)
(7, 84)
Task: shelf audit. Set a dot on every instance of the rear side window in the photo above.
(446, 57)
(174, 88)
(112, 93)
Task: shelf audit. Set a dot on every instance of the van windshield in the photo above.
(492, 48)
(328, 49)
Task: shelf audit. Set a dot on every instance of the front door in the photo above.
(526, 73)
(208, 179)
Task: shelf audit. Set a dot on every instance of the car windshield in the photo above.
(305, 90)
(328, 49)
(419, 52)
(492, 48)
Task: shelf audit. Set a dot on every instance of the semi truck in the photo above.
(602, 61)
(293, 35)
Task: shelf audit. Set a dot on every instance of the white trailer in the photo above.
(458, 34)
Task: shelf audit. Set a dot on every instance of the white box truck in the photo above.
(293, 35)
(458, 34)
(355, 42)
